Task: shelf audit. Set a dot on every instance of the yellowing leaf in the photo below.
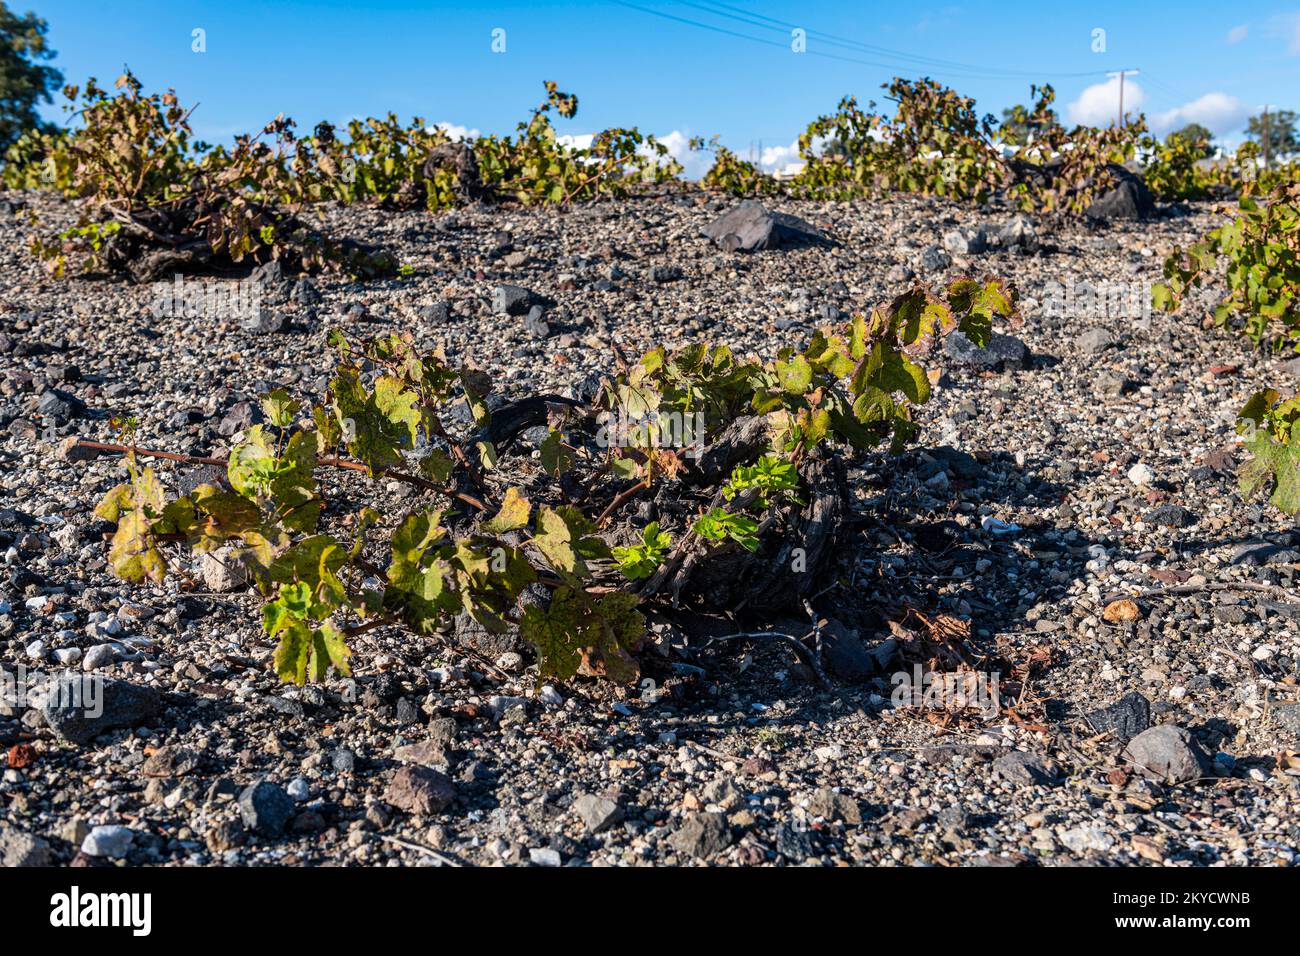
(514, 513)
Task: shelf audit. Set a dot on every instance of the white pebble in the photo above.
(67, 655)
(1140, 474)
(109, 841)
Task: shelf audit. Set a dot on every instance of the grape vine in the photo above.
(479, 540)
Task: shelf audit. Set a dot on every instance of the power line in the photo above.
(892, 68)
(746, 36)
(920, 63)
(946, 67)
(695, 23)
(1167, 93)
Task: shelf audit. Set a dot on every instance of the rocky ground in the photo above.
(1083, 460)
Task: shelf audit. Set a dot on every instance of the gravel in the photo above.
(1024, 530)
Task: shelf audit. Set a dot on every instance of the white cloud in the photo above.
(781, 159)
(1237, 34)
(695, 162)
(1098, 105)
(1217, 112)
(579, 141)
(456, 131)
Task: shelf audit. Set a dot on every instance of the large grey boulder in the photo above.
(1129, 198)
(751, 226)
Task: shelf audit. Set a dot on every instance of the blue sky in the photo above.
(333, 59)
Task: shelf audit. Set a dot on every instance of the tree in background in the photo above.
(24, 80)
(1193, 134)
(1281, 132)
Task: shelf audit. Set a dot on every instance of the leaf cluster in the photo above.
(541, 559)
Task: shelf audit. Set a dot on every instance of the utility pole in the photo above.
(1267, 137)
(1121, 74)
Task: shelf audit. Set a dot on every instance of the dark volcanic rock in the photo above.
(265, 322)
(266, 808)
(1124, 719)
(511, 300)
(79, 708)
(59, 405)
(701, 835)
(833, 805)
(1025, 769)
(240, 417)
(1167, 752)
(1129, 198)
(1171, 516)
(1002, 352)
(750, 226)
(934, 259)
(845, 655)
(470, 634)
(1258, 553)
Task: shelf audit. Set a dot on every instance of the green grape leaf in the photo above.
(899, 374)
(579, 627)
(252, 464)
(1163, 298)
(280, 408)
(437, 466)
(133, 555)
(112, 505)
(329, 649)
(375, 426)
(795, 376)
(222, 515)
(567, 538)
(554, 632)
(1278, 462)
(639, 561)
(293, 653)
(557, 458)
